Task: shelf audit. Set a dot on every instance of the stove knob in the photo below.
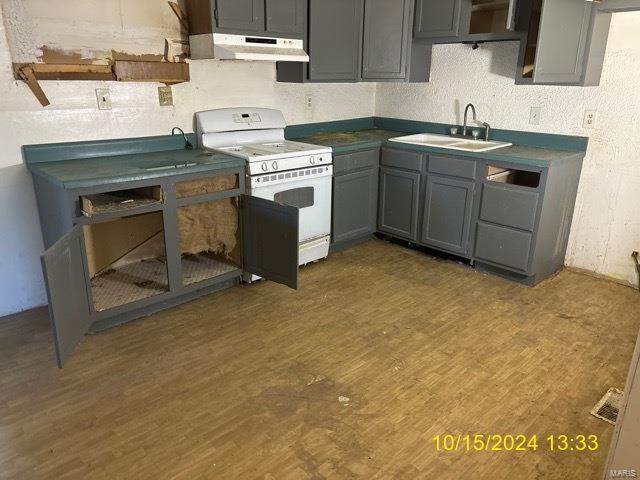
(265, 167)
(274, 165)
(312, 160)
(320, 159)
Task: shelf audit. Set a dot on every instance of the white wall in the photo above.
(606, 225)
(73, 116)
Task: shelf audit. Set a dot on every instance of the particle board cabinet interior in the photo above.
(355, 196)
(198, 235)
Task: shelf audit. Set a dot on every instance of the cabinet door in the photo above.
(399, 198)
(285, 17)
(270, 240)
(335, 39)
(386, 39)
(437, 18)
(243, 15)
(65, 277)
(355, 204)
(447, 213)
(562, 40)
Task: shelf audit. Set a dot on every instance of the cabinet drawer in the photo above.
(512, 207)
(456, 167)
(503, 246)
(356, 161)
(402, 159)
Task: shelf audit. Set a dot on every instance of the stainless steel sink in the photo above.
(454, 143)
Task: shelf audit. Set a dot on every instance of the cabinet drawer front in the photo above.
(503, 246)
(356, 161)
(456, 167)
(509, 206)
(402, 159)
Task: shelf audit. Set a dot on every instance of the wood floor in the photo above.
(351, 376)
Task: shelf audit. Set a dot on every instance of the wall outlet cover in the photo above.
(103, 96)
(589, 120)
(308, 101)
(534, 115)
(165, 96)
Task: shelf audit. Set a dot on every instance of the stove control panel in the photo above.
(284, 164)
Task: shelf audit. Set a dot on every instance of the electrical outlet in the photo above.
(165, 96)
(589, 120)
(308, 101)
(534, 115)
(104, 98)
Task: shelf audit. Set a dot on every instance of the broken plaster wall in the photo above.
(73, 116)
(606, 223)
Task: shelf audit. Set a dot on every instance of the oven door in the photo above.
(308, 189)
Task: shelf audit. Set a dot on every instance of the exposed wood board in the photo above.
(182, 16)
(26, 73)
(44, 71)
(164, 72)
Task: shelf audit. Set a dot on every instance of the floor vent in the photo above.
(608, 407)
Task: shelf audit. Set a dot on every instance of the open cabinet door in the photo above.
(270, 240)
(564, 28)
(69, 309)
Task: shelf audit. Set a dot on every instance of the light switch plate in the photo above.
(589, 120)
(165, 96)
(534, 115)
(103, 96)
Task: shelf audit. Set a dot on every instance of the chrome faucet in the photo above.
(466, 112)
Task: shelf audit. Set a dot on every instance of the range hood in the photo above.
(242, 47)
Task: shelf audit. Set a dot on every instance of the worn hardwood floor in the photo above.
(349, 377)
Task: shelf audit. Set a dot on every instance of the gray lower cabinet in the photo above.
(565, 42)
(387, 34)
(508, 219)
(122, 263)
(241, 15)
(335, 39)
(399, 199)
(448, 205)
(355, 196)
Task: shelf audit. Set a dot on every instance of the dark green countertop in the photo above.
(91, 172)
(345, 142)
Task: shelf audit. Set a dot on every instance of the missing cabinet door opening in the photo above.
(523, 178)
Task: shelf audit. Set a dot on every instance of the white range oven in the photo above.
(289, 173)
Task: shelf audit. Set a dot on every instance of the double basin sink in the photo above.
(453, 143)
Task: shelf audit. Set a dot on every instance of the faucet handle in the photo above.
(487, 130)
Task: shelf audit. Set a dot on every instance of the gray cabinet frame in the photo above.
(272, 254)
(395, 203)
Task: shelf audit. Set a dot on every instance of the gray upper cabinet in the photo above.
(565, 43)
(448, 206)
(564, 27)
(399, 200)
(437, 18)
(65, 277)
(335, 39)
(386, 39)
(285, 17)
(242, 15)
